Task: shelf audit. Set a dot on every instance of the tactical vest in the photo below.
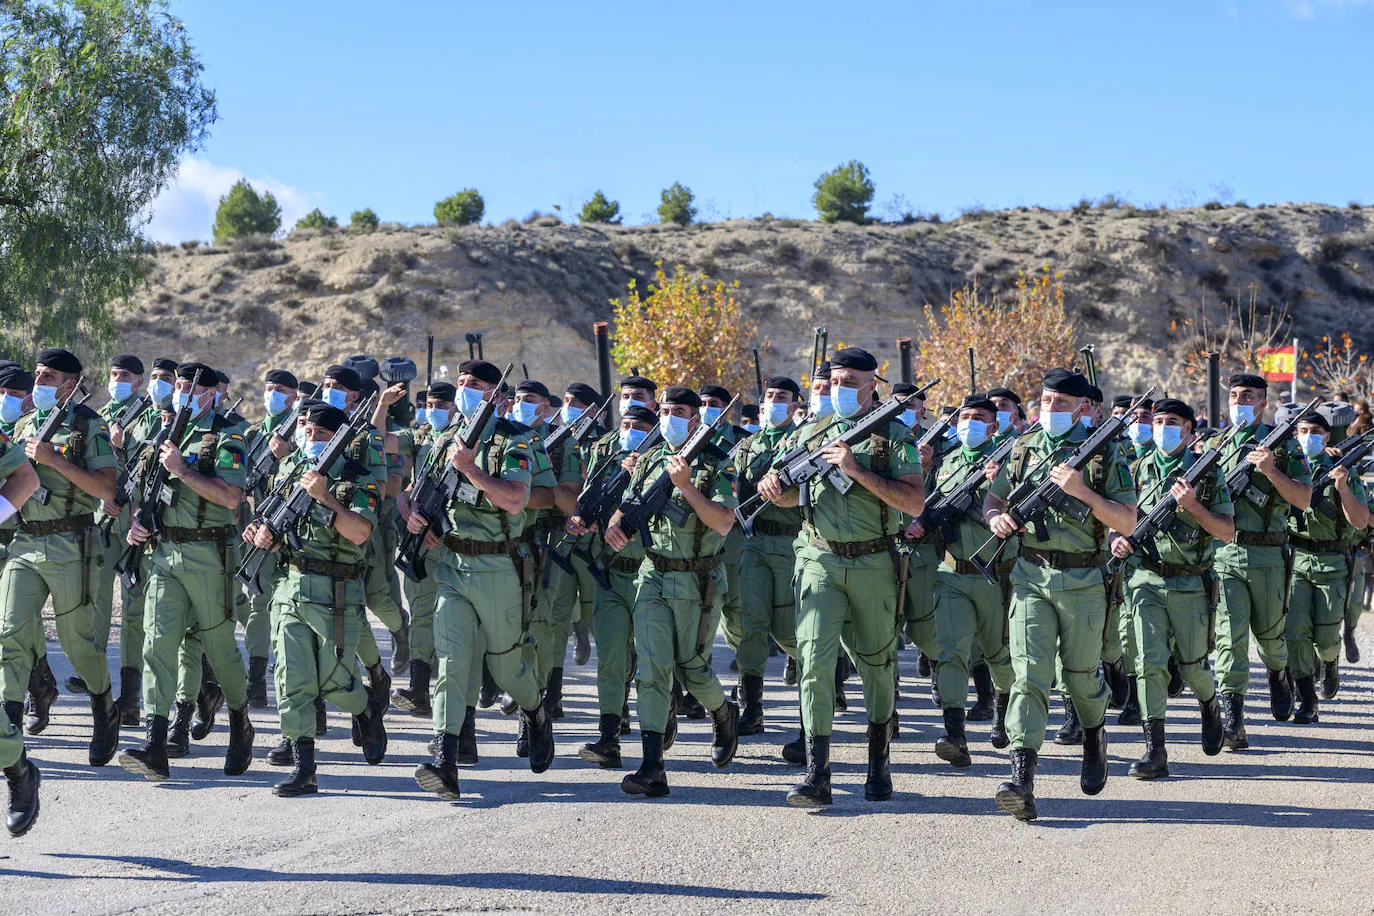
(1019, 460)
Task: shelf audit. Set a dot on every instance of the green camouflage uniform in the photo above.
(553, 613)
(420, 596)
(256, 616)
(11, 738)
(383, 586)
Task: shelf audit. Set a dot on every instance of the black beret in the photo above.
(1094, 393)
(1286, 411)
(321, 414)
(854, 358)
(1005, 393)
(6, 363)
(398, 369)
(281, 377)
(641, 415)
(309, 388)
(189, 370)
(364, 365)
(1180, 409)
(749, 411)
(16, 377)
(902, 388)
(443, 391)
(421, 394)
(369, 388)
(782, 383)
(128, 362)
(1246, 380)
(481, 370)
(584, 393)
(533, 387)
(61, 360)
(346, 376)
(822, 371)
(677, 394)
(165, 364)
(979, 402)
(222, 377)
(1122, 400)
(714, 391)
(1066, 382)
(638, 381)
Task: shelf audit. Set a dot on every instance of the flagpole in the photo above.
(1293, 393)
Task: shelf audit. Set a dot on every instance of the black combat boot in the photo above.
(923, 664)
(789, 671)
(894, 724)
(281, 755)
(605, 751)
(23, 778)
(1352, 648)
(981, 710)
(179, 737)
(690, 706)
(208, 703)
(240, 752)
(105, 728)
(1307, 709)
(1331, 680)
(1017, 797)
(400, 649)
(1071, 732)
(150, 760)
(467, 738)
(1281, 695)
(77, 686)
(814, 789)
(952, 747)
(1233, 732)
(1092, 778)
(1176, 682)
(415, 698)
(724, 734)
(1130, 711)
(539, 726)
(130, 688)
(998, 735)
(878, 784)
(441, 776)
(257, 682)
(509, 706)
(1154, 764)
(1117, 682)
(14, 711)
(487, 696)
(794, 752)
(582, 642)
(302, 778)
(1212, 732)
(321, 718)
(935, 699)
(751, 717)
(42, 694)
(553, 694)
(522, 739)
(651, 779)
(625, 713)
(369, 732)
(670, 730)
(379, 685)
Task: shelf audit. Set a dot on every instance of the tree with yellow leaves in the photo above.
(688, 330)
(1337, 365)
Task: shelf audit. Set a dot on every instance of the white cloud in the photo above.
(186, 209)
(1307, 9)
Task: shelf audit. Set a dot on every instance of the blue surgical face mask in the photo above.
(526, 412)
(160, 389)
(630, 439)
(1004, 419)
(299, 438)
(334, 397)
(275, 402)
(908, 418)
(421, 416)
(469, 399)
(844, 401)
(11, 408)
(1057, 422)
(120, 391)
(674, 429)
(439, 419)
(1170, 439)
(821, 406)
(1085, 421)
(709, 414)
(775, 412)
(972, 433)
(1140, 433)
(1312, 444)
(750, 428)
(1242, 414)
(627, 403)
(182, 398)
(572, 414)
(315, 448)
(44, 397)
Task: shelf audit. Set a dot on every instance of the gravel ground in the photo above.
(1281, 825)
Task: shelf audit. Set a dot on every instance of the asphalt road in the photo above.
(1281, 826)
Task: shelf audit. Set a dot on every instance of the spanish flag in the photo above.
(1278, 364)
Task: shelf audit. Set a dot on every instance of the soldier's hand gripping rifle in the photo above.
(1026, 506)
(803, 464)
(130, 414)
(283, 508)
(1238, 482)
(49, 427)
(1353, 450)
(442, 484)
(262, 462)
(947, 509)
(148, 514)
(125, 486)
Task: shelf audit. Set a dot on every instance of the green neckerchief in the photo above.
(1167, 464)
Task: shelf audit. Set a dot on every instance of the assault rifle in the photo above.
(945, 510)
(262, 463)
(49, 427)
(1353, 450)
(577, 430)
(133, 410)
(125, 486)
(435, 490)
(148, 515)
(283, 508)
(1238, 480)
(803, 464)
(1027, 506)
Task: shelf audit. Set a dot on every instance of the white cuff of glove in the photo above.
(7, 510)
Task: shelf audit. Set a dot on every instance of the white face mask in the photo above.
(821, 407)
(1242, 414)
(526, 412)
(675, 429)
(1140, 433)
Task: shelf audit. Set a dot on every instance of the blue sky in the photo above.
(347, 105)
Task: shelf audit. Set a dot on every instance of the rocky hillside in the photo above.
(536, 288)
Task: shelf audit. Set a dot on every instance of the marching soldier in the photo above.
(845, 572)
(22, 777)
(1171, 587)
(1011, 418)
(1140, 436)
(1058, 600)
